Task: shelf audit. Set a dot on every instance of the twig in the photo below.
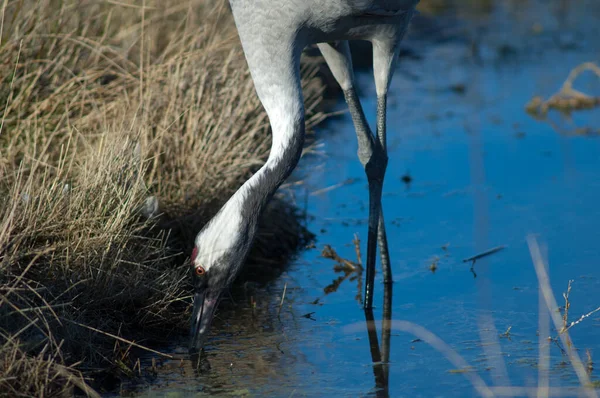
(544, 283)
(580, 319)
(120, 339)
(282, 298)
(567, 305)
(329, 252)
(484, 254)
(9, 96)
(507, 333)
(27, 268)
(332, 187)
(347, 267)
(543, 347)
(77, 381)
(356, 242)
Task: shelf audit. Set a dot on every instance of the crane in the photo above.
(273, 35)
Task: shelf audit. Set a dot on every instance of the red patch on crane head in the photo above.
(194, 254)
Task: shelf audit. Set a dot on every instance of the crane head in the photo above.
(207, 292)
(219, 252)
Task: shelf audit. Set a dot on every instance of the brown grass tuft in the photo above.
(102, 106)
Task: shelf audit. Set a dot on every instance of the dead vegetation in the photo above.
(348, 269)
(567, 99)
(104, 105)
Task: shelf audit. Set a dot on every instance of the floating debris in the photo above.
(351, 270)
(434, 265)
(567, 99)
(476, 257)
(507, 334)
(484, 254)
(343, 264)
(407, 179)
(309, 316)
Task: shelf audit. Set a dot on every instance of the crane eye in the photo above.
(200, 270)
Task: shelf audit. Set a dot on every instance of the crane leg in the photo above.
(337, 56)
(385, 55)
(372, 156)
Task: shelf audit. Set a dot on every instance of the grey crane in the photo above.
(273, 34)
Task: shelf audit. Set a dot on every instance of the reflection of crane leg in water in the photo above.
(381, 357)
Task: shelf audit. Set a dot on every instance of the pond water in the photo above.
(469, 170)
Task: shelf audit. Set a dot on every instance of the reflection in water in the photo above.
(380, 355)
(386, 333)
(351, 270)
(200, 362)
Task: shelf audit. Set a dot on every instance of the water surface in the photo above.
(469, 170)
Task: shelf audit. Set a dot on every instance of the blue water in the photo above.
(484, 174)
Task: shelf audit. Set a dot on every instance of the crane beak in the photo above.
(205, 304)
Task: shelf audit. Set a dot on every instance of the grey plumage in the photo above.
(273, 34)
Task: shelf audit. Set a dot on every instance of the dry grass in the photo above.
(102, 105)
(567, 99)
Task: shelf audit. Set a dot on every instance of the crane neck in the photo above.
(231, 232)
(229, 235)
(254, 195)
